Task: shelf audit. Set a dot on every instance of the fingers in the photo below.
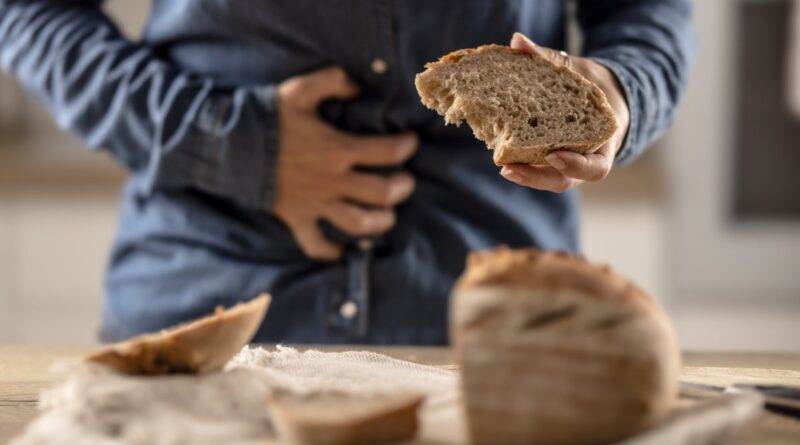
(382, 150)
(305, 92)
(566, 169)
(377, 190)
(522, 43)
(572, 167)
(538, 177)
(359, 221)
(313, 243)
(588, 167)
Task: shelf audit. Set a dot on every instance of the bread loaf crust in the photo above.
(345, 419)
(557, 350)
(532, 268)
(201, 346)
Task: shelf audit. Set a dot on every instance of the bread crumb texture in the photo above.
(522, 105)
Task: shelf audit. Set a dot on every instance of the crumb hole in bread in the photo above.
(114, 429)
(584, 120)
(533, 122)
(570, 118)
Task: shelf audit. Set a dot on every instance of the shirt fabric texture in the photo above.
(191, 112)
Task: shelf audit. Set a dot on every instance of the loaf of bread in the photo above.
(522, 105)
(343, 418)
(204, 345)
(555, 350)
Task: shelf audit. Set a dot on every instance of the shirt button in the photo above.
(378, 66)
(348, 310)
(365, 244)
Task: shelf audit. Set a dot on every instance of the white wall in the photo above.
(53, 248)
(732, 285)
(54, 240)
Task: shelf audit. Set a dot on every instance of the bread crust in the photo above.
(532, 268)
(506, 152)
(201, 346)
(556, 350)
(345, 419)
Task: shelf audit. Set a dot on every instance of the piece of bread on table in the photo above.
(336, 418)
(522, 105)
(201, 346)
(555, 350)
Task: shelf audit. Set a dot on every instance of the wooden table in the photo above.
(25, 370)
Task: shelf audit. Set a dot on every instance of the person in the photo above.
(281, 146)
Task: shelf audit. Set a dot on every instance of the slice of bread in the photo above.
(555, 350)
(522, 105)
(201, 346)
(344, 419)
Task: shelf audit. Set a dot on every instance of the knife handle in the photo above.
(779, 399)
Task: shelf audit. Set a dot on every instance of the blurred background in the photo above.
(708, 221)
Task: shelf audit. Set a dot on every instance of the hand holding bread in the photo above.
(552, 120)
(568, 169)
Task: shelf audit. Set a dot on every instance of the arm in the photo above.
(176, 129)
(180, 130)
(648, 45)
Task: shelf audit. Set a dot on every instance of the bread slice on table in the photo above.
(204, 345)
(339, 418)
(522, 105)
(555, 350)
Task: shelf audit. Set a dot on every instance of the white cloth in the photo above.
(97, 407)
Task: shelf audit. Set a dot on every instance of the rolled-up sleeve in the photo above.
(649, 46)
(176, 129)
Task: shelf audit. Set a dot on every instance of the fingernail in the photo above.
(524, 38)
(556, 161)
(511, 175)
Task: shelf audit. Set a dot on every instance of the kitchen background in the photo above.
(708, 221)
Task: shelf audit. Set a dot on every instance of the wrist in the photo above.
(607, 75)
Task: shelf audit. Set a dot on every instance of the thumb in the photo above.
(520, 42)
(306, 91)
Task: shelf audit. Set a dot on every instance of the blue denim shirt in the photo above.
(190, 111)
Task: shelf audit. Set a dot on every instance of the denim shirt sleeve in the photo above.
(649, 46)
(175, 129)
